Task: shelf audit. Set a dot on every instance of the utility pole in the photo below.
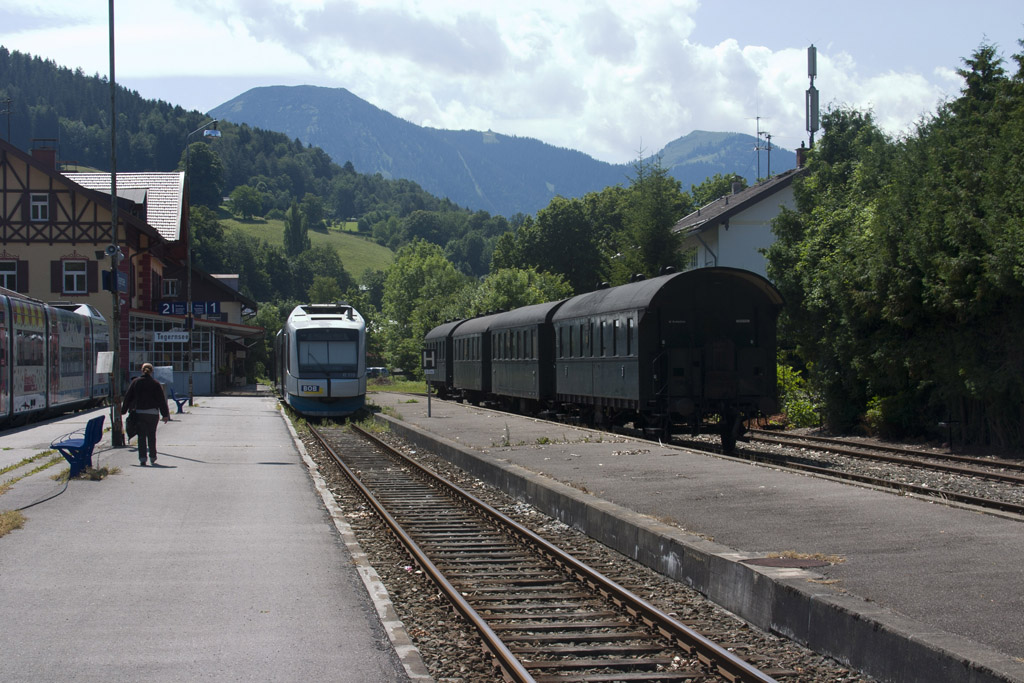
(768, 147)
(116, 429)
(758, 147)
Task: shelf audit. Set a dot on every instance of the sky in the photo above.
(613, 80)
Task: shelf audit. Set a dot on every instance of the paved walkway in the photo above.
(221, 563)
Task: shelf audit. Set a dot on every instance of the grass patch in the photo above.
(358, 254)
(10, 520)
(373, 426)
(53, 460)
(401, 386)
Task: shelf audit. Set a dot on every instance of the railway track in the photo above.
(917, 475)
(987, 468)
(542, 615)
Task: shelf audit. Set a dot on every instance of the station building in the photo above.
(56, 241)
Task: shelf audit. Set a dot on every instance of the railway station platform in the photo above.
(223, 562)
(907, 589)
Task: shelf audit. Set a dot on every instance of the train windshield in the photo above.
(328, 350)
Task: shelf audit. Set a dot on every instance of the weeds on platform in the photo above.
(90, 474)
(10, 520)
(821, 557)
(54, 459)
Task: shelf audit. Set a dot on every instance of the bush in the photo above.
(797, 400)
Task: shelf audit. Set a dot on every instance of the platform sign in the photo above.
(429, 361)
(198, 307)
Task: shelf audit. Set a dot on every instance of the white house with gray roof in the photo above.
(734, 229)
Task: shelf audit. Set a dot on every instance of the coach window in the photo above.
(629, 336)
(615, 338)
(40, 208)
(9, 275)
(74, 277)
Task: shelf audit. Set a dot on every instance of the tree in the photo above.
(296, 237)
(207, 236)
(715, 187)
(511, 288)
(422, 290)
(246, 201)
(652, 206)
(205, 175)
(313, 211)
(319, 262)
(324, 290)
(560, 241)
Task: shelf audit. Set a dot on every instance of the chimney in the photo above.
(801, 156)
(44, 150)
(736, 187)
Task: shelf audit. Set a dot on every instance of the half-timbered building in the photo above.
(55, 242)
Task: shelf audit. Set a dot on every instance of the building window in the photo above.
(40, 204)
(9, 275)
(75, 277)
(170, 289)
(690, 258)
(146, 345)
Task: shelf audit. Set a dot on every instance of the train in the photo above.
(48, 358)
(320, 360)
(693, 350)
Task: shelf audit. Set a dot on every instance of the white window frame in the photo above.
(74, 281)
(9, 274)
(170, 288)
(40, 207)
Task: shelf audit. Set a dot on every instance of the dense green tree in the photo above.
(205, 175)
(652, 206)
(296, 236)
(245, 202)
(422, 290)
(207, 239)
(903, 269)
(715, 187)
(313, 211)
(511, 288)
(319, 261)
(324, 290)
(561, 241)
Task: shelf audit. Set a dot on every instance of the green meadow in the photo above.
(358, 254)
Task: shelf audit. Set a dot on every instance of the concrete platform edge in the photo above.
(878, 641)
(406, 650)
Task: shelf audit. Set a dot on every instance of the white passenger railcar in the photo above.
(48, 358)
(320, 360)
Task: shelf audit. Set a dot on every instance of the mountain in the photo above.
(481, 170)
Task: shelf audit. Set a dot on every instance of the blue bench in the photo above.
(177, 401)
(77, 446)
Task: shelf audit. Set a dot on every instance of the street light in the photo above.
(189, 313)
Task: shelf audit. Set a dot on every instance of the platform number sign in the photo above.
(429, 361)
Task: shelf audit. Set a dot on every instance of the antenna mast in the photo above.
(811, 98)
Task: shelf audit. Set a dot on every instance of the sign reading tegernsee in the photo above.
(174, 337)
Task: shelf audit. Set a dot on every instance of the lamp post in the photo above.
(116, 431)
(189, 313)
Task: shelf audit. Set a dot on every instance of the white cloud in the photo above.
(595, 75)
